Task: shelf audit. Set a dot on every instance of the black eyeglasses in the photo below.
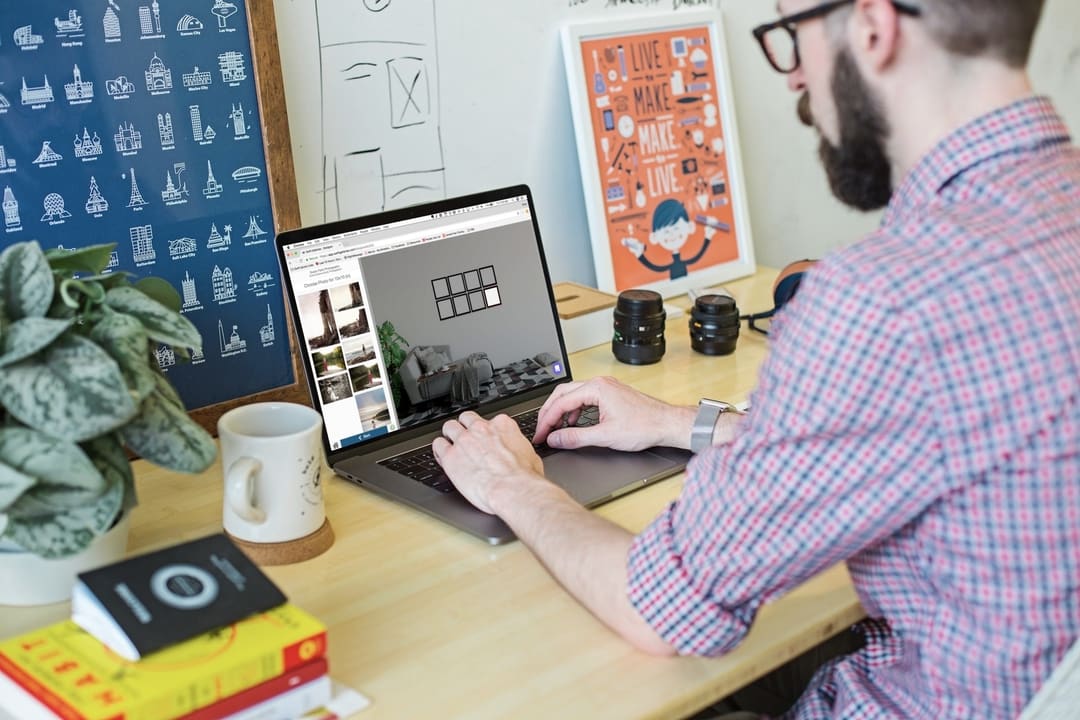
(779, 40)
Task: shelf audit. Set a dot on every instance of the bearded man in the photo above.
(919, 412)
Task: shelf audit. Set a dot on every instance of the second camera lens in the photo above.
(714, 325)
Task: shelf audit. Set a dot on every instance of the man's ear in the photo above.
(875, 33)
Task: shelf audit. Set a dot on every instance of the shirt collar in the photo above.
(1024, 125)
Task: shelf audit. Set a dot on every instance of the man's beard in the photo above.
(858, 169)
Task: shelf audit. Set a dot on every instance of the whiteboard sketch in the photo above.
(381, 140)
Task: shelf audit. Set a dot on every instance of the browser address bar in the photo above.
(417, 237)
(421, 236)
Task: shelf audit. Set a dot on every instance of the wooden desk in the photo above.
(431, 623)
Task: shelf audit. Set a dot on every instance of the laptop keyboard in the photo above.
(420, 464)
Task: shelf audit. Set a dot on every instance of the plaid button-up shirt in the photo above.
(919, 417)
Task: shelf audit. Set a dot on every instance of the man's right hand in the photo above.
(629, 420)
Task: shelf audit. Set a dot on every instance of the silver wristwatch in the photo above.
(709, 411)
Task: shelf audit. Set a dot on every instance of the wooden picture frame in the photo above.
(658, 148)
(281, 178)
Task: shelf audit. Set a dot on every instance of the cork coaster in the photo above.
(293, 551)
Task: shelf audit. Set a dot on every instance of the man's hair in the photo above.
(999, 28)
(1003, 29)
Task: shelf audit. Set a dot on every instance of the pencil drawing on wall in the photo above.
(381, 141)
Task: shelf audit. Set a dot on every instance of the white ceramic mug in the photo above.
(271, 455)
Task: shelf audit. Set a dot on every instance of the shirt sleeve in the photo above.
(838, 452)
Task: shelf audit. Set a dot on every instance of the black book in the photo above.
(146, 603)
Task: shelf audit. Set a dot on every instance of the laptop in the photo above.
(409, 317)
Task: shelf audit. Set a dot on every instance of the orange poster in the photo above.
(663, 175)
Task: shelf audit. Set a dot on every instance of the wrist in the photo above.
(679, 427)
(714, 423)
(520, 490)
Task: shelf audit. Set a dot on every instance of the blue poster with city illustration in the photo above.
(136, 122)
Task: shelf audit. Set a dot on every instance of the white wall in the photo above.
(792, 212)
(504, 115)
(1055, 59)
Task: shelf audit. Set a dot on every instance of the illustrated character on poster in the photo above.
(671, 228)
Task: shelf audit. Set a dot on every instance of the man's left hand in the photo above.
(479, 454)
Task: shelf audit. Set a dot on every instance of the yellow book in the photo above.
(67, 670)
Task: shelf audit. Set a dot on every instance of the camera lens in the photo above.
(639, 327)
(714, 325)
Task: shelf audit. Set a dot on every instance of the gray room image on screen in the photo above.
(499, 337)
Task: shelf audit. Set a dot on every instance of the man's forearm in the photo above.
(681, 422)
(585, 553)
(679, 425)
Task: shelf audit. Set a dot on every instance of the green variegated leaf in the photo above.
(115, 279)
(165, 435)
(73, 390)
(12, 484)
(109, 457)
(26, 282)
(92, 259)
(168, 392)
(124, 338)
(65, 476)
(61, 310)
(65, 533)
(160, 290)
(25, 337)
(76, 291)
(30, 505)
(162, 324)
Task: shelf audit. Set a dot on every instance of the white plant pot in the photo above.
(26, 579)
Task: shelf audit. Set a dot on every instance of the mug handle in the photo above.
(240, 490)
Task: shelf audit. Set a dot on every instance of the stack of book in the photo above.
(160, 650)
(269, 665)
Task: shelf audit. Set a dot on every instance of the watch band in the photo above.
(709, 411)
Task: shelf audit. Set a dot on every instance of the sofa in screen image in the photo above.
(429, 374)
(436, 382)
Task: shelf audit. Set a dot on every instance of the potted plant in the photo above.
(394, 349)
(80, 387)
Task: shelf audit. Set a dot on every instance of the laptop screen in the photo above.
(413, 316)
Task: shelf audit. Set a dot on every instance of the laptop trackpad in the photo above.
(594, 474)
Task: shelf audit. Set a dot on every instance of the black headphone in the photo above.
(784, 288)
